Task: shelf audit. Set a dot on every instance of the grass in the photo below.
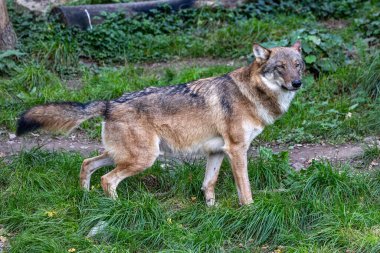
(328, 208)
(323, 209)
(165, 35)
(371, 153)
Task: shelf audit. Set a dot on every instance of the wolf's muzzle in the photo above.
(296, 83)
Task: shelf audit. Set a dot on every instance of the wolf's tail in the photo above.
(63, 116)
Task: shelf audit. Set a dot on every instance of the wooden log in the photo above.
(85, 16)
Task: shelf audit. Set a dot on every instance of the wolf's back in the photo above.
(63, 116)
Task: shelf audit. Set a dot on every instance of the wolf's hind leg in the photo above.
(90, 165)
(111, 180)
(141, 155)
(214, 161)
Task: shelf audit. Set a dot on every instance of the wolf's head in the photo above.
(280, 67)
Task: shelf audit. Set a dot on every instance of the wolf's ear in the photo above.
(261, 53)
(297, 46)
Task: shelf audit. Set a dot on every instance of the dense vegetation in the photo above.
(327, 208)
(322, 209)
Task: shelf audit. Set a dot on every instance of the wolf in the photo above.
(219, 116)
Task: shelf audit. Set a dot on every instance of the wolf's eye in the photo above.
(280, 66)
(298, 65)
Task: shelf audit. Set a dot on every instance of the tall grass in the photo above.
(369, 80)
(324, 209)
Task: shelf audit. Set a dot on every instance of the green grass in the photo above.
(325, 209)
(165, 35)
(371, 153)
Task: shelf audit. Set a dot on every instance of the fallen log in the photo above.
(85, 16)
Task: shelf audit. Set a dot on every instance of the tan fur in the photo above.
(218, 116)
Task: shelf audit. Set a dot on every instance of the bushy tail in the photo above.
(63, 116)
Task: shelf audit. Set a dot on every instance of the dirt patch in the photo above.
(301, 155)
(78, 142)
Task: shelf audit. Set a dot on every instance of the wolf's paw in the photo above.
(210, 202)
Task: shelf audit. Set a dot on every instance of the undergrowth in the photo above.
(216, 32)
(325, 208)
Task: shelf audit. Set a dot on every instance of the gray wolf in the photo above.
(219, 116)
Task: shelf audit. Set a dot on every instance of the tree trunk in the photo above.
(7, 35)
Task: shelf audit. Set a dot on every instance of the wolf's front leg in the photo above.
(238, 159)
(214, 161)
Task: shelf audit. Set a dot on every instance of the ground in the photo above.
(314, 173)
(301, 155)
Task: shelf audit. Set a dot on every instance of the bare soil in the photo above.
(300, 155)
(76, 142)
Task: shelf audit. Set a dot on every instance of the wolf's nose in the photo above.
(296, 83)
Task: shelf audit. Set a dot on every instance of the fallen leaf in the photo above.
(51, 213)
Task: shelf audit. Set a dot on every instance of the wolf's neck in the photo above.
(269, 99)
(284, 97)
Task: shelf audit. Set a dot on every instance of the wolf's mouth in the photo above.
(286, 88)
